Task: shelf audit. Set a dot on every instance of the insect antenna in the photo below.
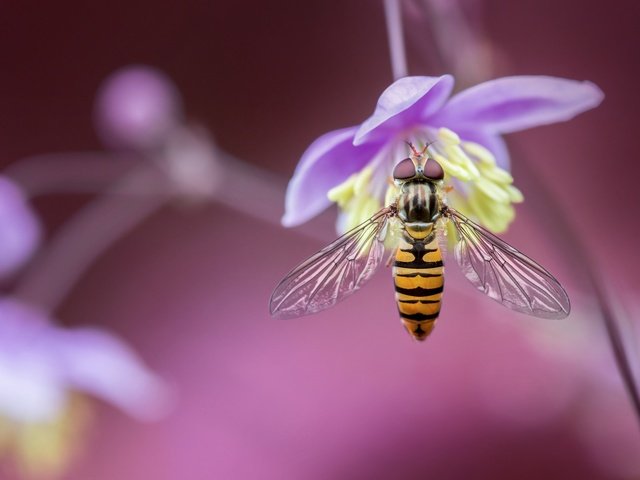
(413, 149)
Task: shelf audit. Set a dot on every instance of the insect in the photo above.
(419, 214)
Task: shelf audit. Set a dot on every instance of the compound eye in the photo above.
(404, 170)
(433, 170)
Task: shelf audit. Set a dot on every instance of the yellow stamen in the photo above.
(494, 216)
(44, 450)
(457, 156)
(492, 190)
(496, 174)
(362, 181)
(490, 193)
(514, 194)
(448, 137)
(341, 194)
(451, 168)
(480, 152)
(360, 210)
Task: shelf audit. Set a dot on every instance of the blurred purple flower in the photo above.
(43, 368)
(136, 108)
(41, 364)
(19, 228)
(467, 128)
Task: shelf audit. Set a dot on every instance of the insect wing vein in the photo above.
(335, 272)
(505, 274)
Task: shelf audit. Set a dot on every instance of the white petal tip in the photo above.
(597, 95)
(154, 401)
(288, 221)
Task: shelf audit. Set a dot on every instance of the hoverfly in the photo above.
(419, 213)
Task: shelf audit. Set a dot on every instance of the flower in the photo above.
(352, 166)
(20, 229)
(43, 368)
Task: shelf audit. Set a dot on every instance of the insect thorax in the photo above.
(418, 202)
(418, 208)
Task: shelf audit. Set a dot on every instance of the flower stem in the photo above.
(397, 51)
(613, 325)
(461, 47)
(138, 189)
(615, 336)
(80, 172)
(58, 267)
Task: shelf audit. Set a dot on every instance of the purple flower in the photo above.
(44, 370)
(351, 166)
(20, 229)
(41, 364)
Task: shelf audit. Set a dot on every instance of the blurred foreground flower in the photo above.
(352, 166)
(46, 371)
(43, 368)
(19, 228)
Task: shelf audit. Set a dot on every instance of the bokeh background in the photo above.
(344, 394)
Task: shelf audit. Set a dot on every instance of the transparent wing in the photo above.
(503, 273)
(335, 272)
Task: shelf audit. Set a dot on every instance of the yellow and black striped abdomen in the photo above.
(418, 274)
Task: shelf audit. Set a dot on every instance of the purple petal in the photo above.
(99, 363)
(492, 141)
(328, 161)
(510, 104)
(19, 228)
(32, 387)
(40, 363)
(403, 104)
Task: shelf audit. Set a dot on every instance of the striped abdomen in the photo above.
(418, 275)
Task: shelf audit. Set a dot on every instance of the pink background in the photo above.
(345, 394)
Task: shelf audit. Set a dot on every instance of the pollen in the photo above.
(45, 449)
(487, 191)
(483, 190)
(354, 198)
(484, 156)
(341, 194)
(456, 160)
(452, 169)
(354, 186)
(492, 190)
(514, 194)
(448, 137)
(496, 174)
(364, 208)
(362, 181)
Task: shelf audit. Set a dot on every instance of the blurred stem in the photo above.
(460, 44)
(614, 333)
(614, 327)
(137, 191)
(397, 51)
(250, 189)
(83, 238)
(452, 33)
(84, 172)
